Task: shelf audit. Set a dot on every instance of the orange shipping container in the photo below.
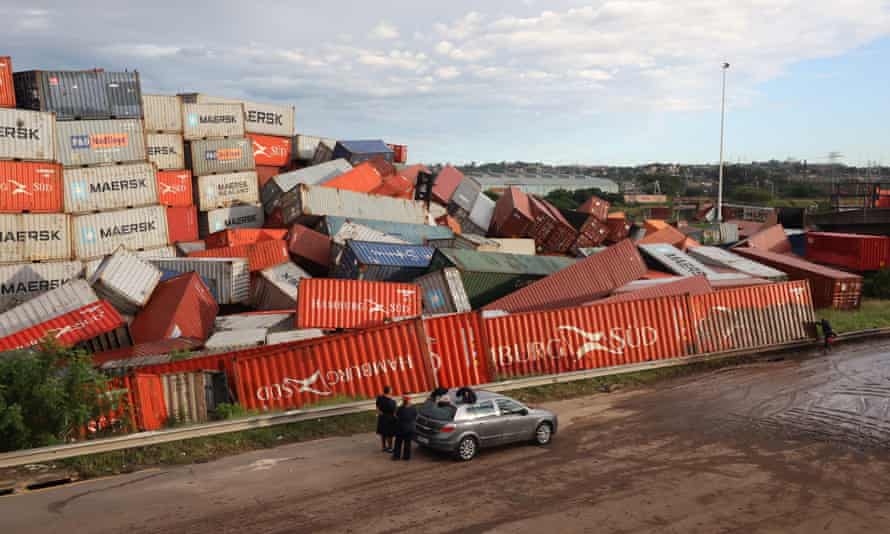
(182, 224)
(270, 150)
(242, 236)
(259, 256)
(7, 89)
(363, 178)
(175, 188)
(264, 173)
(457, 352)
(33, 187)
(329, 303)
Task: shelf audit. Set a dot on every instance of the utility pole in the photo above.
(725, 67)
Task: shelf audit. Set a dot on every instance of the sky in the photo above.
(621, 82)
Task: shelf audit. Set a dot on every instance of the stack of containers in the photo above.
(593, 231)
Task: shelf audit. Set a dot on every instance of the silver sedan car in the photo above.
(462, 428)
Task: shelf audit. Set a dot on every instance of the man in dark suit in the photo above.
(405, 415)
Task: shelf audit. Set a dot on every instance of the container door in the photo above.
(151, 414)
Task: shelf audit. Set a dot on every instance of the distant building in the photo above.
(541, 185)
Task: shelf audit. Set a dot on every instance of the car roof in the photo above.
(480, 396)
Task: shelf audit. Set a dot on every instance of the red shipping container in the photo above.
(152, 348)
(399, 153)
(309, 248)
(445, 184)
(735, 283)
(33, 187)
(179, 307)
(855, 252)
(563, 235)
(597, 207)
(69, 329)
(412, 171)
(242, 236)
(512, 214)
(182, 224)
(396, 186)
(264, 173)
(269, 150)
(175, 188)
(145, 395)
(592, 234)
(619, 228)
(354, 365)
(259, 256)
(588, 337)
(7, 89)
(691, 285)
(363, 178)
(771, 239)
(331, 304)
(456, 349)
(668, 234)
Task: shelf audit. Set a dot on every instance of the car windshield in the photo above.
(439, 412)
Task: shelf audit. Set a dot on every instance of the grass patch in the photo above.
(872, 313)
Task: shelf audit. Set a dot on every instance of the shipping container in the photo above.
(466, 241)
(273, 320)
(276, 287)
(91, 189)
(383, 262)
(515, 246)
(687, 285)
(308, 203)
(399, 153)
(67, 329)
(619, 228)
(356, 152)
(125, 280)
(53, 303)
(396, 186)
(488, 276)
(269, 119)
(22, 282)
(182, 224)
(415, 234)
(465, 196)
(589, 279)
(855, 252)
(324, 152)
(153, 348)
(217, 156)
(309, 248)
(30, 187)
(99, 234)
(175, 188)
(355, 232)
(512, 214)
(667, 235)
(443, 292)
(772, 239)
(282, 183)
(304, 146)
(27, 135)
(236, 340)
(457, 352)
(669, 257)
(592, 233)
(353, 365)
(597, 207)
(482, 212)
(185, 247)
(735, 283)
(185, 396)
(34, 237)
(365, 177)
(264, 173)
(244, 216)
(163, 113)
(7, 88)
(79, 95)
(752, 317)
(243, 236)
(550, 230)
(290, 336)
(200, 121)
(446, 184)
(269, 150)
(330, 304)
(165, 150)
(229, 277)
(91, 266)
(719, 257)
(100, 141)
(226, 190)
(259, 256)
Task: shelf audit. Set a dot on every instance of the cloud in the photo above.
(447, 73)
(385, 30)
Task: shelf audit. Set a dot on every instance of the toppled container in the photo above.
(356, 152)
(22, 282)
(91, 189)
(151, 348)
(236, 340)
(619, 228)
(243, 236)
(512, 214)
(80, 94)
(27, 135)
(219, 156)
(854, 252)
(175, 188)
(242, 216)
(307, 203)
(330, 304)
(304, 146)
(550, 230)
(259, 256)
(467, 241)
(165, 150)
(282, 183)
(163, 113)
(99, 234)
(69, 328)
(269, 150)
(290, 336)
(53, 303)
(457, 353)
(365, 177)
(719, 257)
(273, 320)
(687, 285)
(674, 260)
(446, 184)
(383, 262)
(229, 277)
(276, 287)
(34, 237)
(309, 248)
(324, 152)
(518, 245)
(202, 121)
(125, 280)
(772, 239)
(100, 141)
(595, 206)
(179, 307)
(226, 190)
(415, 234)
(30, 186)
(443, 292)
(464, 197)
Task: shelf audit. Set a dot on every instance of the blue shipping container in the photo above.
(416, 234)
(356, 152)
(383, 262)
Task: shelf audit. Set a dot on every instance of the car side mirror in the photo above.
(523, 411)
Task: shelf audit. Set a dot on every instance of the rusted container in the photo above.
(99, 234)
(752, 317)
(243, 216)
(125, 280)
(175, 188)
(91, 189)
(182, 224)
(352, 365)
(179, 307)
(771, 239)
(597, 207)
(270, 150)
(225, 190)
(27, 135)
(34, 237)
(309, 248)
(363, 178)
(457, 352)
(830, 288)
(218, 156)
(855, 252)
(689, 285)
(276, 287)
(30, 186)
(227, 278)
(259, 256)
(593, 233)
(165, 150)
(101, 141)
(446, 183)
(572, 339)
(200, 121)
(563, 235)
(67, 329)
(512, 214)
(145, 394)
(7, 88)
(163, 113)
(22, 282)
(328, 303)
(586, 280)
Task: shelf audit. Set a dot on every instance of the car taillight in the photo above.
(447, 428)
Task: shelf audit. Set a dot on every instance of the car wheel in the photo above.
(466, 449)
(543, 434)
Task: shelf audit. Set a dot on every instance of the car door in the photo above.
(512, 422)
(484, 421)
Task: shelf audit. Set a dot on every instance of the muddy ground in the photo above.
(799, 445)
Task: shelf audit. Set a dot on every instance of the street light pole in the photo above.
(720, 172)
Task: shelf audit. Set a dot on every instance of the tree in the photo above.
(751, 194)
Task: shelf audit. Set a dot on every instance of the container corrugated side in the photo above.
(523, 246)
(55, 302)
(185, 396)
(276, 287)
(674, 260)
(100, 141)
(383, 262)
(181, 306)
(465, 195)
(27, 135)
(723, 258)
(217, 156)
(855, 252)
(589, 337)
(225, 190)
(236, 339)
(163, 113)
(34, 237)
(289, 336)
(282, 183)
(456, 350)
(304, 146)
(352, 365)
(92, 189)
(269, 119)
(415, 234)
(261, 255)
(157, 252)
(310, 202)
(69, 94)
(99, 234)
(688, 285)
(269, 150)
(67, 329)
(125, 280)
(30, 186)
(443, 292)
(175, 188)
(512, 214)
(244, 236)
(229, 276)
(165, 150)
(482, 212)
(7, 88)
(249, 216)
(20, 283)
(330, 304)
(274, 321)
(201, 121)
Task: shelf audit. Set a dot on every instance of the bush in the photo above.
(877, 285)
(224, 410)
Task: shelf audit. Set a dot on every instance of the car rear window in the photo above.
(440, 412)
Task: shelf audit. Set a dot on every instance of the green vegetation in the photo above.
(570, 200)
(224, 411)
(750, 194)
(872, 314)
(877, 285)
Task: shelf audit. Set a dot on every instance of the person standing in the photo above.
(386, 419)
(405, 415)
(828, 334)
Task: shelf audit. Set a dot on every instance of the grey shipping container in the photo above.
(304, 146)
(443, 292)
(465, 196)
(76, 95)
(308, 203)
(22, 282)
(183, 248)
(112, 187)
(323, 153)
(282, 183)
(90, 266)
(163, 113)
(482, 212)
(274, 322)
(467, 241)
(185, 396)
(415, 234)
(125, 280)
(200, 121)
(676, 261)
(229, 277)
(28, 135)
(34, 237)
(276, 287)
(98, 234)
(100, 141)
(236, 339)
(224, 190)
(723, 258)
(216, 156)
(269, 119)
(288, 336)
(66, 298)
(165, 150)
(246, 216)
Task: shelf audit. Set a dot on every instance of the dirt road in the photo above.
(791, 446)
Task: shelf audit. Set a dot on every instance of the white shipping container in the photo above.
(163, 113)
(90, 189)
(215, 156)
(358, 232)
(67, 298)
(245, 321)
(28, 135)
(249, 216)
(125, 280)
(282, 183)
(719, 257)
(236, 339)
(228, 278)
(100, 141)
(165, 150)
(269, 119)
(212, 120)
(305, 145)
(315, 201)
(98, 234)
(185, 396)
(518, 245)
(224, 190)
(159, 252)
(482, 212)
(675, 260)
(24, 281)
(276, 287)
(34, 237)
(289, 336)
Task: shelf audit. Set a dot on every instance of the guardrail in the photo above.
(142, 439)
